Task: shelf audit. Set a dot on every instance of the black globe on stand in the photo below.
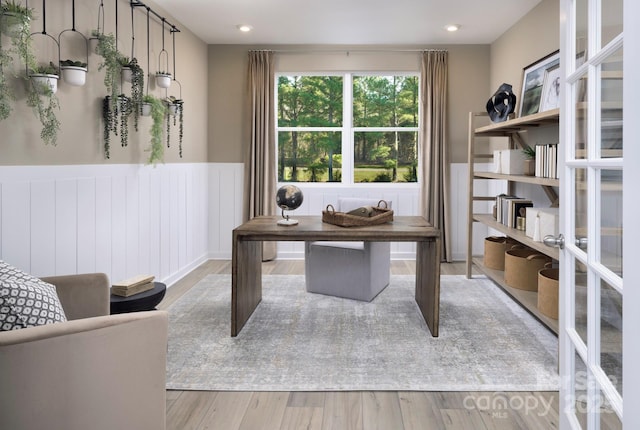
(288, 198)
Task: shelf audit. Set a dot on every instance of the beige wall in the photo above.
(228, 126)
(536, 35)
(80, 137)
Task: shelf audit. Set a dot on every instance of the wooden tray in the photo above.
(381, 215)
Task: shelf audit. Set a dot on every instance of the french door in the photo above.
(591, 260)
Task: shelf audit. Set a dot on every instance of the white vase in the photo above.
(163, 80)
(127, 73)
(173, 109)
(145, 110)
(74, 75)
(42, 81)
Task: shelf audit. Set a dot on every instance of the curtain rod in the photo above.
(348, 51)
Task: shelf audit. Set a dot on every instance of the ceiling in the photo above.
(347, 22)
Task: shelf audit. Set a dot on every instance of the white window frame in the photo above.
(348, 130)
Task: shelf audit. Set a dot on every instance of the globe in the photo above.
(288, 198)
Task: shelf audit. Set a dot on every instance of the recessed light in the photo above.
(245, 28)
(452, 27)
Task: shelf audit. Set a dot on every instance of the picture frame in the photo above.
(535, 96)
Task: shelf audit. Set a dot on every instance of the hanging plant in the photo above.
(73, 72)
(44, 109)
(181, 129)
(135, 75)
(157, 115)
(15, 22)
(111, 64)
(125, 108)
(163, 79)
(108, 119)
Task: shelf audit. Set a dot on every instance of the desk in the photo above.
(144, 301)
(246, 270)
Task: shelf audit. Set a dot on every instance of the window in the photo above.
(347, 128)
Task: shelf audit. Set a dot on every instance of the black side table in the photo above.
(145, 301)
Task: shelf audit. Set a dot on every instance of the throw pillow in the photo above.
(26, 301)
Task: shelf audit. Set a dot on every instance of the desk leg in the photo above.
(428, 282)
(246, 282)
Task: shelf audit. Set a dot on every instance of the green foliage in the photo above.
(6, 96)
(412, 174)
(44, 69)
(107, 126)
(72, 63)
(530, 152)
(137, 88)
(125, 109)
(44, 111)
(14, 7)
(111, 64)
(157, 115)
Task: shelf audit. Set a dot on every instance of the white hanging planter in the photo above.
(74, 75)
(127, 74)
(163, 80)
(11, 23)
(44, 81)
(173, 109)
(145, 109)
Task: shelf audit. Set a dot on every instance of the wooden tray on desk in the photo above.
(380, 216)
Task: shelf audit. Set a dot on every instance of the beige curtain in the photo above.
(261, 166)
(434, 196)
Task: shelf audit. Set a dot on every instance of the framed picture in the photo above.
(533, 98)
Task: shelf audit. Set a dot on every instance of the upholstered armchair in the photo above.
(352, 270)
(94, 371)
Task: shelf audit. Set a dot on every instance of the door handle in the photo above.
(582, 242)
(554, 241)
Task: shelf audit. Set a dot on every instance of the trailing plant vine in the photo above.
(45, 110)
(125, 108)
(106, 48)
(181, 129)
(108, 119)
(157, 115)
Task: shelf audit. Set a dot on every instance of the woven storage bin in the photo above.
(380, 215)
(494, 249)
(548, 292)
(521, 268)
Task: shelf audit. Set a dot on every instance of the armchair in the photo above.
(94, 371)
(352, 270)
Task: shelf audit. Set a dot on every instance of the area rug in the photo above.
(297, 341)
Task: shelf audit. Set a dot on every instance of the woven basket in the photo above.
(380, 215)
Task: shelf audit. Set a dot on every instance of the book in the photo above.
(134, 281)
(130, 291)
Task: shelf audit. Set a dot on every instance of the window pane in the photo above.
(310, 101)
(309, 156)
(385, 101)
(385, 156)
(611, 334)
(581, 30)
(611, 109)
(611, 219)
(611, 20)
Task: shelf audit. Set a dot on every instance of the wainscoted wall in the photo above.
(123, 220)
(165, 220)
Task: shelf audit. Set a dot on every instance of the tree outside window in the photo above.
(379, 142)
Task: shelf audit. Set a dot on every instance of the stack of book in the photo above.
(547, 161)
(131, 286)
(509, 208)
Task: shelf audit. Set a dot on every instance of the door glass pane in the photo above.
(581, 206)
(581, 29)
(611, 108)
(581, 123)
(611, 334)
(608, 418)
(611, 20)
(581, 383)
(611, 219)
(580, 300)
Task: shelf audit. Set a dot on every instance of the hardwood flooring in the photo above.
(388, 410)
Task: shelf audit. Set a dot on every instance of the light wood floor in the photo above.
(388, 410)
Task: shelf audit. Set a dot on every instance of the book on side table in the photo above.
(134, 285)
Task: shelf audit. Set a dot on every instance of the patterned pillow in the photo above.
(26, 301)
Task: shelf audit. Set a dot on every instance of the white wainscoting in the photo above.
(123, 220)
(165, 220)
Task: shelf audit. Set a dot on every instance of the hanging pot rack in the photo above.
(44, 30)
(74, 31)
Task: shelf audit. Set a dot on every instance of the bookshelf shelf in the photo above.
(509, 129)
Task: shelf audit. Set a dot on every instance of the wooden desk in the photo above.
(246, 270)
